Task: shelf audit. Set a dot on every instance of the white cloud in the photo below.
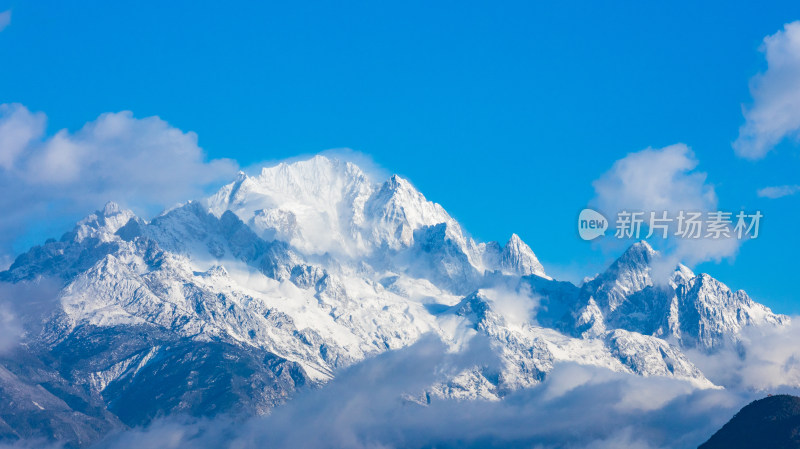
(658, 180)
(18, 128)
(515, 306)
(374, 171)
(10, 329)
(767, 359)
(364, 161)
(655, 179)
(778, 191)
(145, 164)
(576, 407)
(23, 308)
(5, 19)
(775, 112)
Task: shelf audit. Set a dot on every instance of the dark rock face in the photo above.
(772, 422)
(37, 403)
(48, 396)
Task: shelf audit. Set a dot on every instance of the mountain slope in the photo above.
(38, 403)
(772, 422)
(322, 206)
(697, 311)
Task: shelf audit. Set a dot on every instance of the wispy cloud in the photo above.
(365, 162)
(775, 112)
(143, 163)
(23, 308)
(778, 191)
(5, 19)
(10, 329)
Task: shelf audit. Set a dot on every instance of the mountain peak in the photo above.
(397, 185)
(316, 205)
(397, 209)
(630, 273)
(637, 257)
(398, 181)
(322, 205)
(316, 170)
(517, 256)
(682, 274)
(697, 310)
(111, 208)
(105, 221)
(640, 249)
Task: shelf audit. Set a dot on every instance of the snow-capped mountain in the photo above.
(692, 310)
(231, 303)
(328, 207)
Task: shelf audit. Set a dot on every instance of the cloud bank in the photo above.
(577, 406)
(145, 164)
(775, 112)
(363, 407)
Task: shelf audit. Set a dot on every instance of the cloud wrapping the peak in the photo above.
(145, 164)
(374, 171)
(658, 180)
(365, 162)
(775, 112)
(655, 179)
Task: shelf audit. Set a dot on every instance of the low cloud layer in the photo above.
(145, 164)
(577, 407)
(767, 359)
(775, 112)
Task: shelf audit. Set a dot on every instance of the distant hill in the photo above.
(772, 422)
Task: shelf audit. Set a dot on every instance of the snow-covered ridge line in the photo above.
(324, 206)
(279, 280)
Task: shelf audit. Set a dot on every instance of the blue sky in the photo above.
(504, 114)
